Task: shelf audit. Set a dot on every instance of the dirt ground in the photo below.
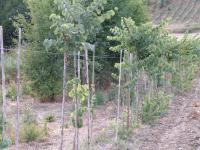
(179, 129)
(103, 114)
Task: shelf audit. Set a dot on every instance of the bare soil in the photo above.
(179, 129)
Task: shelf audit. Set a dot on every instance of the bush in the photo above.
(112, 93)
(26, 89)
(11, 93)
(124, 133)
(10, 62)
(50, 118)
(30, 132)
(99, 99)
(153, 108)
(4, 144)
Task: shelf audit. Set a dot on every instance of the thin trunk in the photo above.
(3, 84)
(63, 100)
(88, 100)
(18, 90)
(118, 100)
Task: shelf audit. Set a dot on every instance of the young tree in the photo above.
(76, 22)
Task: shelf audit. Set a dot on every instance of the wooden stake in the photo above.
(3, 84)
(119, 94)
(76, 109)
(88, 100)
(93, 88)
(18, 91)
(129, 93)
(63, 100)
(78, 101)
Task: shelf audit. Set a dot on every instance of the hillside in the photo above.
(184, 14)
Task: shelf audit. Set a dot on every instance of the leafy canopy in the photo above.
(77, 21)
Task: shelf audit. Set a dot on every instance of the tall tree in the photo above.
(43, 68)
(8, 9)
(137, 10)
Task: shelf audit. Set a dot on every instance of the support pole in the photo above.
(88, 100)
(119, 93)
(18, 90)
(3, 84)
(63, 100)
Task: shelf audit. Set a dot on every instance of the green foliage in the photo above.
(99, 97)
(124, 133)
(79, 120)
(27, 89)
(112, 93)
(10, 62)
(11, 92)
(153, 108)
(43, 68)
(137, 10)
(81, 92)
(30, 132)
(8, 9)
(50, 118)
(4, 144)
(77, 22)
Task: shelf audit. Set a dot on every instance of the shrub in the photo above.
(112, 93)
(10, 65)
(50, 118)
(153, 108)
(99, 99)
(4, 144)
(30, 132)
(26, 89)
(125, 133)
(11, 93)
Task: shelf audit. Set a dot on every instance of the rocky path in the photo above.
(179, 129)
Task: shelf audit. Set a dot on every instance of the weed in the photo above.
(155, 107)
(30, 132)
(11, 93)
(50, 118)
